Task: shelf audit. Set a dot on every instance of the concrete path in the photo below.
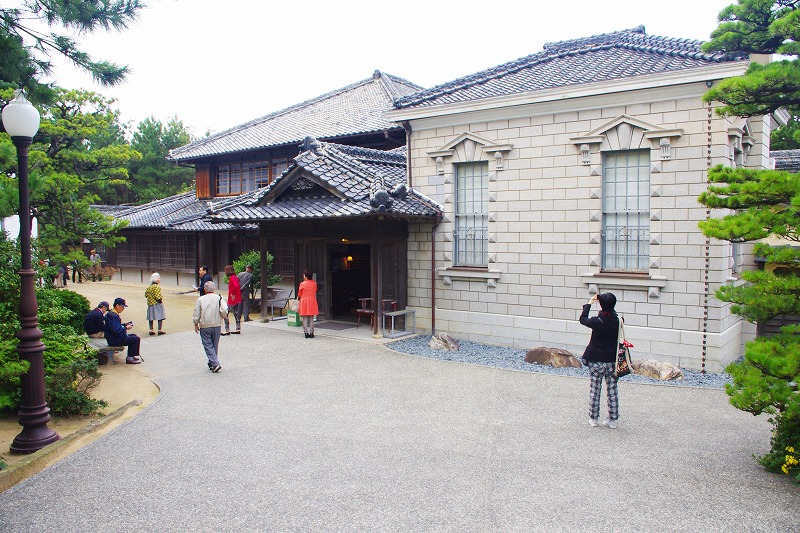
(331, 434)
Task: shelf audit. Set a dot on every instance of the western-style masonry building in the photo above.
(574, 171)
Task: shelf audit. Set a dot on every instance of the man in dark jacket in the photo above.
(117, 332)
(95, 322)
(204, 277)
(600, 356)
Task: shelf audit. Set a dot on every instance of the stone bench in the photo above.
(105, 353)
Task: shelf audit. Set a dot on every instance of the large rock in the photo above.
(443, 341)
(554, 357)
(657, 370)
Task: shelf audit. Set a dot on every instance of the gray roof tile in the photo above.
(609, 56)
(338, 182)
(355, 109)
(182, 212)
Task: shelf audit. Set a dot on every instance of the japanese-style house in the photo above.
(347, 211)
(174, 235)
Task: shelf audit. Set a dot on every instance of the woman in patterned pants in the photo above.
(600, 356)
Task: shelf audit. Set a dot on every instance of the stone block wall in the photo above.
(545, 225)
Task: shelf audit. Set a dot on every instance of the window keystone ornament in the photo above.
(626, 133)
(468, 148)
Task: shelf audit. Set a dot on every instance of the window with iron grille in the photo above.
(626, 211)
(471, 235)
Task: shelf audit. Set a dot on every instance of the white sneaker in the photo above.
(593, 422)
(612, 424)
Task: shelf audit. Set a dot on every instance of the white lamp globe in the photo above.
(20, 118)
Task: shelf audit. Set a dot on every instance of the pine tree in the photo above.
(762, 204)
(25, 47)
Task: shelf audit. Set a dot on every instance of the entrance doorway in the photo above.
(350, 279)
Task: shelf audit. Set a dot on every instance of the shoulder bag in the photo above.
(623, 364)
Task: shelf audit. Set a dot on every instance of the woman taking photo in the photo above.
(600, 356)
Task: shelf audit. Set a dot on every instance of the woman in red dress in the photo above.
(234, 300)
(307, 294)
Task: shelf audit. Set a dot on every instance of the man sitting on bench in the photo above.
(95, 322)
(117, 332)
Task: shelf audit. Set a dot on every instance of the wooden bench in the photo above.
(105, 352)
(393, 333)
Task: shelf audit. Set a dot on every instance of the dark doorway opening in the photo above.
(350, 279)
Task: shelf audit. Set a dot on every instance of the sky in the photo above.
(216, 64)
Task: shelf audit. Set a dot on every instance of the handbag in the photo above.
(623, 364)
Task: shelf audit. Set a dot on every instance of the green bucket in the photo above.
(293, 319)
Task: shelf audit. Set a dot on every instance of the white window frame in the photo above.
(626, 211)
(471, 233)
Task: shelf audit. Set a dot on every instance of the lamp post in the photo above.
(21, 121)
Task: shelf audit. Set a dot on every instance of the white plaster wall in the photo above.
(169, 278)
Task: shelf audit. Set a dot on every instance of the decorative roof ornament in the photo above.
(310, 144)
(382, 200)
(302, 184)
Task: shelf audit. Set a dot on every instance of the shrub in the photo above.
(63, 307)
(60, 315)
(68, 388)
(253, 257)
(785, 437)
(790, 466)
(11, 368)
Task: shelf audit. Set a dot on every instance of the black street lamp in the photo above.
(21, 121)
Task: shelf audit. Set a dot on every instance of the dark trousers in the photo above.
(246, 304)
(132, 342)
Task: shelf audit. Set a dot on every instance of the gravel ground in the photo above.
(514, 359)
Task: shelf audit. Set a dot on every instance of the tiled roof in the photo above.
(182, 212)
(333, 181)
(111, 210)
(788, 160)
(355, 109)
(609, 56)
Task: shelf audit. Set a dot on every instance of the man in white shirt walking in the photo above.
(209, 311)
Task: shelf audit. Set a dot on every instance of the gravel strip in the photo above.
(514, 359)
